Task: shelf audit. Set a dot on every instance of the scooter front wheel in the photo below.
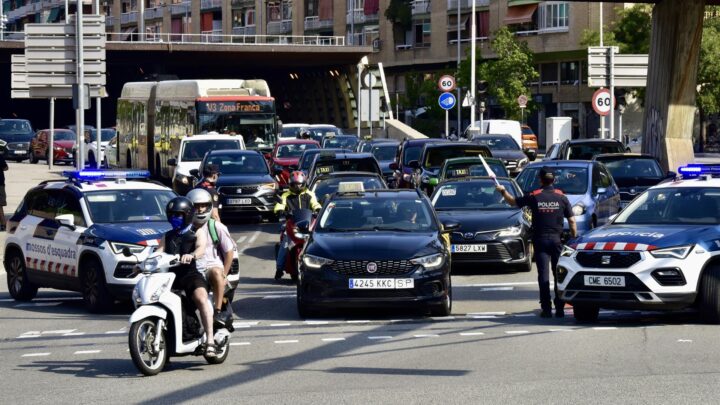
(142, 337)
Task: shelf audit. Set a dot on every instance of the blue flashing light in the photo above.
(695, 170)
(97, 175)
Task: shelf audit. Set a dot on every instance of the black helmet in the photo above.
(179, 212)
(305, 134)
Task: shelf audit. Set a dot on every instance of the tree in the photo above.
(508, 75)
(708, 95)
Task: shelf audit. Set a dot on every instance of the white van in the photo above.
(192, 150)
(498, 127)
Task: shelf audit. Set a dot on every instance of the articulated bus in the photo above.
(152, 118)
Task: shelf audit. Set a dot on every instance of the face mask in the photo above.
(177, 222)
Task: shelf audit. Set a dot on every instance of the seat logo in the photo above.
(605, 260)
(239, 191)
(371, 267)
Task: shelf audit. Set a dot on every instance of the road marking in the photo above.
(497, 284)
(684, 340)
(442, 318)
(471, 333)
(271, 297)
(281, 342)
(484, 316)
(58, 332)
(279, 324)
(487, 313)
(316, 322)
(604, 328)
(561, 330)
(483, 289)
(74, 334)
(516, 332)
(38, 304)
(239, 343)
(336, 339)
(241, 240)
(379, 337)
(426, 336)
(250, 242)
(45, 299)
(238, 324)
(24, 336)
(87, 352)
(358, 321)
(35, 354)
(115, 332)
(524, 315)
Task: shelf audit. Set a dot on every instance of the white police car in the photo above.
(70, 234)
(661, 252)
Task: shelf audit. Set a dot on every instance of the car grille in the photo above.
(605, 296)
(17, 146)
(384, 267)
(495, 251)
(124, 270)
(232, 190)
(608, 260)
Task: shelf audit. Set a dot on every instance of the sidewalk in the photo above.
(20, 178)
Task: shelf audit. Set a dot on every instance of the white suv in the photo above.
(193, 150)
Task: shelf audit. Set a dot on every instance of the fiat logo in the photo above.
(469, 235)
(371, 267)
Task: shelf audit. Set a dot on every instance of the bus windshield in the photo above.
(254, 120)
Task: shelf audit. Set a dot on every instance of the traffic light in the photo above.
(620, 99)
(481, 87)
(383, 104)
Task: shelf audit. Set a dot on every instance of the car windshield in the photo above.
(377, 213)
(194, 151)
(117, 206)
(474, 169)
(472, 195)
(233, 164)
(291, 132)
(411, 152)
(384, 152)
(293, 150)
(105, 135)
(589, 150)
(571, 180)
(346, 165)
(15, 130)
(345, 142)
(497, 142)
(319, 132)
(63, 135)
(674, 205)
(324, 187)
(307, 158)
(435, 157)
(633, 167)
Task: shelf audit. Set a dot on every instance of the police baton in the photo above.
(489, 170)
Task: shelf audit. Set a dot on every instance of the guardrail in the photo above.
(314, 23)
(180, 8)
(358, 16)
(206, 4)
(244, 31)
(279, 27)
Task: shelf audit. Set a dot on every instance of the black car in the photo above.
(17, 134)
(331, 162)
(326, 185)
(245, 185)
(633, 173)
(379, 248)
(386, 155)
(434, 155)
(583, 149)
(504, 147)
(491, 231)
(366, 145)
(308, 156)
(340, 141)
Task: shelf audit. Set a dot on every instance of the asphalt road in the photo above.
(492, 349)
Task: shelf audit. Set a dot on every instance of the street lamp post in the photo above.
(473, 32)
(459, 104)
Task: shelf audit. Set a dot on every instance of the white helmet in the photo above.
(200, 196)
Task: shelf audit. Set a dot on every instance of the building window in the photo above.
(422, 34)
(549, 74)
(554, 15)
(570, 73)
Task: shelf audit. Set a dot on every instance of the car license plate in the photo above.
(239, 201)
(19, 152)
(469, 248)
(605, 281)
(381, 283)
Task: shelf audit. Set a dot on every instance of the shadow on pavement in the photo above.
(90, 368)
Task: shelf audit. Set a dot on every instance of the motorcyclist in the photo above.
(218, 255)
(181, 240)
(297, 196)
(305, 134)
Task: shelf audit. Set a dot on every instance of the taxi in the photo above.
(662, 252)
(379, 248)
(70, 235)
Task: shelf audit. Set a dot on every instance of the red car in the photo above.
(63, 146)
(287, 153)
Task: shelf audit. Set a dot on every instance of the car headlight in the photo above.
(511, 231)
(267, 187)
(678, 252)
(316, 262)
(522, 162)
(160, 291)
(150, 264)
(430, 262)
(578, 209)
(118, 247)
(58, 148)
(567, 251)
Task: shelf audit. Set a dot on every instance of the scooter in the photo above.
(166, 322)
(296, 229)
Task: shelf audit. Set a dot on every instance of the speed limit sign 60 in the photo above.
(446, 83)
(603, 102)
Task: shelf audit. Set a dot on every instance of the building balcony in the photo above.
(359, 17)
(465, 4)
(153, 13)
(128, 18)
(420, 7)
(109, 20)
(213, 36)
(210, 4)
(182, 8)
(279, 27)
(246, 30)
(315, 23)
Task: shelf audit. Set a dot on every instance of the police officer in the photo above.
(211, 173)
(549, 207)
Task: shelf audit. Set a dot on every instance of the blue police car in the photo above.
(662, 252)
(70, 235)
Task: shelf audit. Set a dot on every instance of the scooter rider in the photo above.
(218, 257)
(181, 240)
(549, 207)
(297, 196)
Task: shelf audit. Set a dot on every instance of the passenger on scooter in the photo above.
(218, 256)
(296, 197)
(181, 240)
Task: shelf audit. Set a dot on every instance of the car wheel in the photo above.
(304, 311)
(528, 266)
(19, 286)
(444, 308)
(95, 294)
(710, 295)
(585, 313)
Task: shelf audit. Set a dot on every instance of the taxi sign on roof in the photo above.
(351, 187)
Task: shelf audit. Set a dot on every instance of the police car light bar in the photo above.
(96, 175)
(696, 170)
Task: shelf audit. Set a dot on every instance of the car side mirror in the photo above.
(531, 154)
(414, 164)
(671, 174)
(172, 162)
(195, 173)
(394, 166)
(450, 226)
(67, 220)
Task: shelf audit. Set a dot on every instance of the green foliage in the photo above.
(399, 12)
(633, 29)
(592, 38)
(708, 97)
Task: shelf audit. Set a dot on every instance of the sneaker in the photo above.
(210, 350)
(278, 274)
(546, 313)
(219, 318)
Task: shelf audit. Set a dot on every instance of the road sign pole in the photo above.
(447, 123)
(80, 125)
(359, 92)
(51, 143)
(98, 126)
(473, 32)
(612, 92)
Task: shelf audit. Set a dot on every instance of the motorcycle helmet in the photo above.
(202, 204)
(305, 134)
(179, 212)
(297, 182)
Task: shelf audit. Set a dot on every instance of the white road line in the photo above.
(239, 343)
(497, 284)
(316, 322)
(337, 339)
(272, 297)
(516, 332)
(379, 337)
(28, 336)
(281, 342)
(426, 336)
(279, 324)
(357, 321)
(484, 316)
(483, 289)
(58, 332)
(684, 340)
(471, 333)
(87, 352)
(487, 313)
(74, 334)
(442, 318)
(241, 240)
(561, 330)
(253, 237)
(115, 332)
(244, 324)
(524, 315)
(35, 354)
(44, 299)
(604, 328)
(37, 304)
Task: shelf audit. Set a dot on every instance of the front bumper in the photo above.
(505, 251)
(262, 202)
(644, 288)
(327, 288)
(16, 154)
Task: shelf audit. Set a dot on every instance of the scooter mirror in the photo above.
(303, 226)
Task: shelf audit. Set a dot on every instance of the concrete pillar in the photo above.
(196, 17)
(340, 18)
(298, 17)
(226, 19)
(167, 19)
(672, 81)
(117, 14)
(438, 25)
(260, 17)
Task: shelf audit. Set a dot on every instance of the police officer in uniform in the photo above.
(549, 207)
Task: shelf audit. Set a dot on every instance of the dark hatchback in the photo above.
(386, 153)
(245, 186)
(333, 162)
(435, 154)
(340, 141)
(410, 150)
(504, 147)
(633, 173)
(17, 134)
(379, 248)
(307, 157)
(491, 231)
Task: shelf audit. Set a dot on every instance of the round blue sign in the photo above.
(447, 101)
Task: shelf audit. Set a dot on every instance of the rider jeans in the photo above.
(547, 254)
(282, 252)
